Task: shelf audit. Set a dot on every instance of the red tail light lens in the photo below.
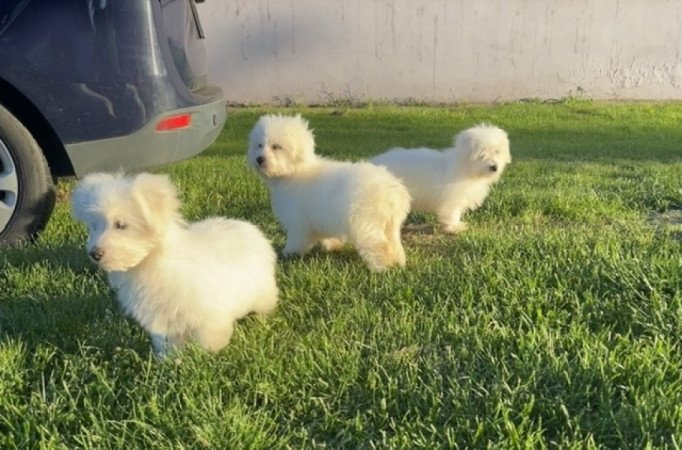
(173, 123)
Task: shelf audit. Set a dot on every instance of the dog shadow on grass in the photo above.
(54, 296)
(57, 255)
(58, 321)
(346, 255)
(415, 235)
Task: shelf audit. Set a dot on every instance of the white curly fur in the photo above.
(321, 200)
(455, 180)
(179, 281)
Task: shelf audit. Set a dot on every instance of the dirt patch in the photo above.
(418, 229)
(64, 191)
(671, 217)
(670, 220)
(425, 235)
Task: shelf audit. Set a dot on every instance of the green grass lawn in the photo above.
(555, 321)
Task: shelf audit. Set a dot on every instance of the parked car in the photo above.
(96, 85)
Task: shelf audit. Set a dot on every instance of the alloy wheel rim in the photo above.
(9, 186)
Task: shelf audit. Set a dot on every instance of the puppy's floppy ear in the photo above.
(86, 194)
(157, 198)
(304, 138)
(305, 126)
(304, 123)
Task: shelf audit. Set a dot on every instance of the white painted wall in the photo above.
(311, 51)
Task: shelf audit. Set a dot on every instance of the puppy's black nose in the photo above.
(96, 253)
(493, 167)
(260, 160)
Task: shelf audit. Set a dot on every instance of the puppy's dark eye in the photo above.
(260, 145)
(119, 225)
(277, 147)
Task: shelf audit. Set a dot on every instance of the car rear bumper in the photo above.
(148, 147)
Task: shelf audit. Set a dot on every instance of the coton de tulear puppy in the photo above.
(179, 281)
(455, 180)
(320, 200)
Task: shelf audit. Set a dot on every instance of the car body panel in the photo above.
(103, 72)
(160, 147)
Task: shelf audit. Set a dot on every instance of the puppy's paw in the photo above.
(455, 228)
(332, 244)
(165, 346)
(382, 256)
(214, 336)
(296, 247)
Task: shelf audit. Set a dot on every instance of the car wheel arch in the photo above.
(35, 122)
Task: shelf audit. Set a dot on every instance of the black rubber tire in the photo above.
(36, 193)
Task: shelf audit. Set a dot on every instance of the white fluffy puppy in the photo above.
(317, 199)
(179, 281)
(455, 180)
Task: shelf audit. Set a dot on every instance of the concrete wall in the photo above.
(311, 51)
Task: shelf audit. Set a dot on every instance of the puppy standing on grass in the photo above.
(317, 199)
(455, 180)
(179, 281)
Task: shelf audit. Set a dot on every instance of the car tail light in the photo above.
(172, 123)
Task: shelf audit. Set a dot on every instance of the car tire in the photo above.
(27, 192)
